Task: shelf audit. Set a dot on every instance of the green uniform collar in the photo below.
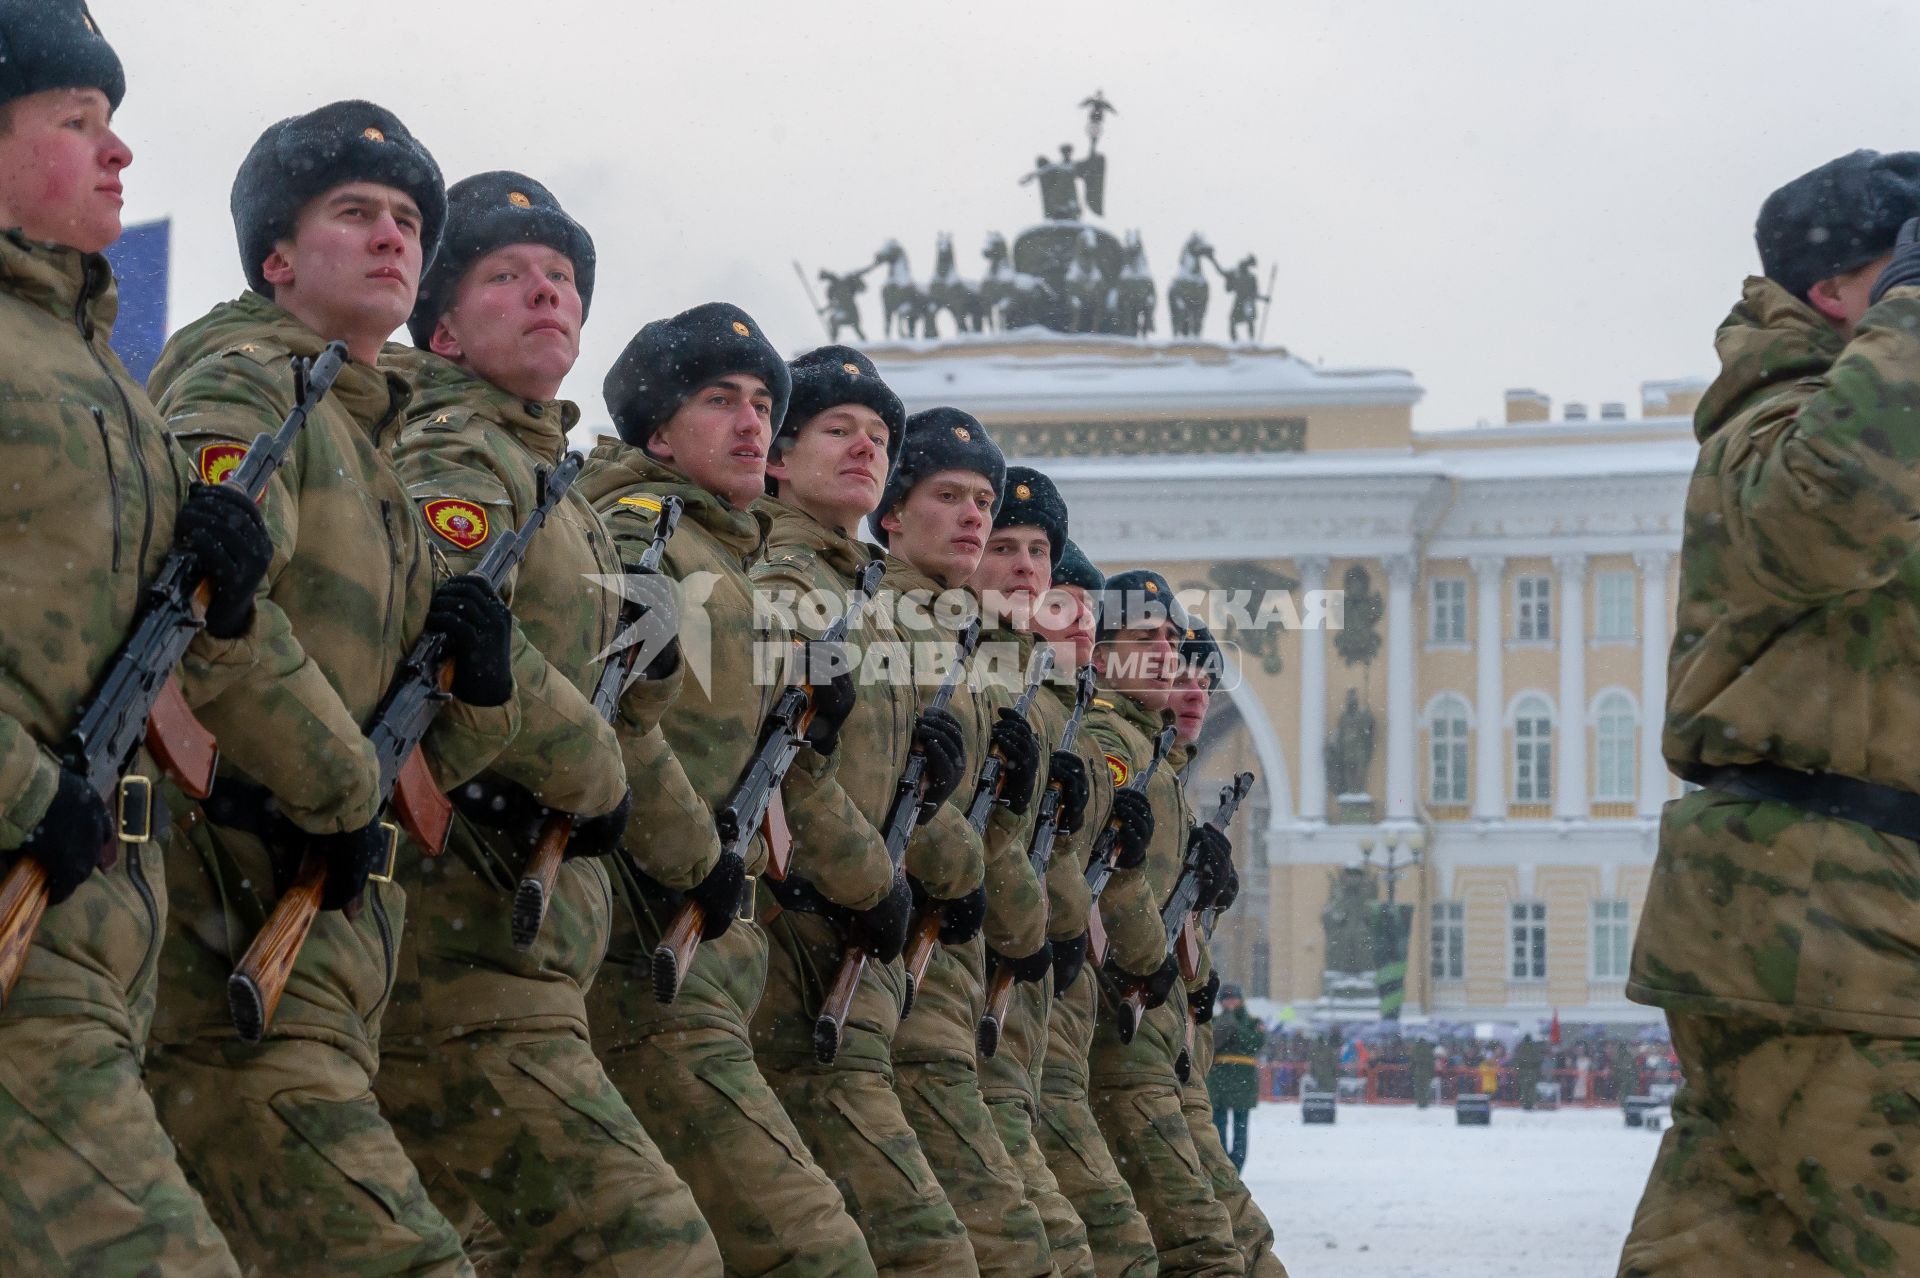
(439, 385)
(1771, 340)
(791, 528)
(741, 531)
(62, 281)
(1145, 721)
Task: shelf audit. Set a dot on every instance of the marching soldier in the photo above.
(937, 511)
(1779, 929)
(1015, 573)
(94, 1184)
(1117, 1233)
(830, 461)
(488, 1074)
(697, 399)
(335, 212)
(1136, 1088)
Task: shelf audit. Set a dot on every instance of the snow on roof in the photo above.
(1588, 460)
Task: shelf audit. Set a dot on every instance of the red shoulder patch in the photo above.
(460, 522)
(1118, 767)
(217, 461)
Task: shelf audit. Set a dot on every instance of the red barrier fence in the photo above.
(1392, 1084)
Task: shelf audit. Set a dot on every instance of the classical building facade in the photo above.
(1489, 709)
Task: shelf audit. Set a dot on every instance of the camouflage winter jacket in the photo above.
(1796, 641)
(469, 455)
(345, 596)
(84, 522)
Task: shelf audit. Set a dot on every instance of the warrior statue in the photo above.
(1061, 180)
(843, 308)
(1245, 287)
(1350, 748)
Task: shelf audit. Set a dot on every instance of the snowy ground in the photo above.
(1392, 1192)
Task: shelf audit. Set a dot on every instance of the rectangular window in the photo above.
(1613, 605)
(1612, 941)
(1529, 940)
(1449, 756)
(1532, 760)
(1449, 941)
(1533, 608)
(1613, 743)
(1447, 611)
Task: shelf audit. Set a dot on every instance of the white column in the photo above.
(1313, 701)
(1655, 613)
(1400, 709)
(1489, 692)
(1570, 763)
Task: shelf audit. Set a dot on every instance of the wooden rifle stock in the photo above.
(254, 989)
(1183, 1063)
(986, 1038)
(838, 1005)
(537, 878)
(926, 935)
(23, 901)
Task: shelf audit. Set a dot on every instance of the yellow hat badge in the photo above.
(372, 134)
(742, 329)
(1023, 492)
(1153, 587)
(852, 369)
(519, 200)
(960, 433)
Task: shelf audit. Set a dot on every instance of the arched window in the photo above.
(1613, 747)
(1447, 753)
(1533, 750)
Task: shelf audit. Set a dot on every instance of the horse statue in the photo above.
(1187, 293)
(947, 291)
(903, 300)
(1134, 294)
(1013, 298)
(1087, 286)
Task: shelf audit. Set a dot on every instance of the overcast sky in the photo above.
(1487, 194)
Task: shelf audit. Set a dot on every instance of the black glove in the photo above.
(667, 660)
(68, 840)
(882, 928)
(718, 895)
(1158, 985)
(1904, 269)
(833, 700)
(597, 836)
(1201, 1000)
(1020, 752)
(937, 735)
(1216, 862)
(960, 916)
(479, 634)
(1069, 956)
(1229, 891)
(221, 528)
(1032, 969)
(1134, 812)
(351, 856)
(1070, 771)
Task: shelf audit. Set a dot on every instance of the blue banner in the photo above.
(142, 258)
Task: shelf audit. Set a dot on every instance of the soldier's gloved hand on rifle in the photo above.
(1229, 891)
(960, 916)
(1904, 269)
(1069, 771)
(479, 634)
(1069, 956)
(1216, 863)
(1014, 738)
(1134, 812)
(833, 700)
(718, 895)
(222, 529)
(351, 856)
(881, 929)
(68, 840)
(599, 835)
(660, 613)
(1158, 985)
(1032, 969)
(1201, 1000)
(937, 735)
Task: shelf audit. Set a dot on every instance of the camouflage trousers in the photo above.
(1788, 1149)
(1076, 1152)
(942, 1101)
(1252, 1232)
(773, 1210)
(287, 1145)
(524, 1142)
(1146, 1131)
(1066, 1235)
(91, 1184)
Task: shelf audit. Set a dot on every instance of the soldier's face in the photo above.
(1142, 661)
(942, 526)
(60, 164)
(836, 465)
(1013, 573)
(352, 265)
(1065, 618)
(1188, 701)
(718, 438)
(515, 321)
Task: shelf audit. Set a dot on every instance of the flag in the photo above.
(142, 258)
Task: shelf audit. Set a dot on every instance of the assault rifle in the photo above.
(414, 698)
(550, 845)
(138, 698)
(903, 816)
(1100, 859)
(754, 802)
(1046, 824)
